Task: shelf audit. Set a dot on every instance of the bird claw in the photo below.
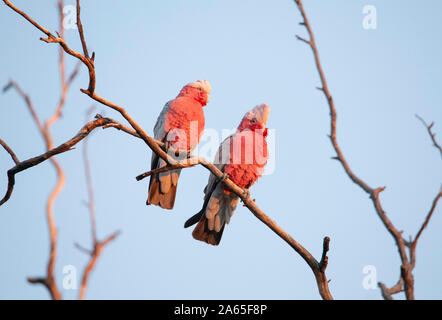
(166, 146)
(224, 177)
(246, 194)
(244, 205)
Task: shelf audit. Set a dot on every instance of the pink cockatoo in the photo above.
(242, 157)
(180, 125)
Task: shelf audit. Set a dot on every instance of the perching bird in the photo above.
(180, 125)
(242, 157)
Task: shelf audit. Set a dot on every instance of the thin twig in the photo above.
(28, 102)
(81, 32)
(97, 246)
(387, 293)
(430, 132)
(427, 219)
(90, 189)
(186, 163)
(122, 127)
(9, 150)
(413, 244)
(96, 252)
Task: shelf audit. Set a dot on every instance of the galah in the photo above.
(179, 125)
(241, 157)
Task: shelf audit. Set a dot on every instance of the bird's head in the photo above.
(256, 119)
(198, 90)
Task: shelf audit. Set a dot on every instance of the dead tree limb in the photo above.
(97, 246)
(94, 255)
(9, 150)
(407, 280)
(45, 130)
(387, 293)
(430, 132)
(67, 146)
(318, 268)
(90, 189)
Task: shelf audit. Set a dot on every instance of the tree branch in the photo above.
(28, 102)
(406, 280)
(413, 244)
(49, 281)
(9, 150)
(430, 132)
(427, 219)
(97, 246)
(81, 32)
(123, 128)
(186, 163)
(373, 192)
(387, 293)
(95, 254)
(87, 171)
(67, 146)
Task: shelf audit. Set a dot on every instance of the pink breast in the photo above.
(185, 121)
(248, 156)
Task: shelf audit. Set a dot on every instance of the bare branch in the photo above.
(83, 249)
(427, 219)
(49, 281)
(28, 102)
(90, 189)
(373, 192)
(80, 31)
(96, 252)
(53, 39)
(122, 127)
(303, 40)
(97, 246)
(186, 163)
(68, 145)
(387, 293)
(9, 150)
(45, 132)
(430, 132)
(324, 259)
(24, 15)
(413, 243)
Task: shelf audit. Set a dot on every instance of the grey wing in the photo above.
(222, 157)
(159, 130)
(218, 206)
(163, 186)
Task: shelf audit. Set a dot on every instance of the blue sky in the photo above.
(145, 53)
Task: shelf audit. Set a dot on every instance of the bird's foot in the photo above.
(224, 177)
(246, 194)
(166, 146)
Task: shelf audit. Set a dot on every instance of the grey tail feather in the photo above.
(155, 197)
(202, 233)
(197, 217)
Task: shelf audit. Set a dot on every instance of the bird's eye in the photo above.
(200, 89)
(253, 121)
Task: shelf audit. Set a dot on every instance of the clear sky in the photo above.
(145, 52)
